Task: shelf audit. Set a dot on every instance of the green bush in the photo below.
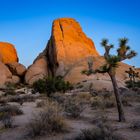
(51, 85)
(40, 85)
(130, 84)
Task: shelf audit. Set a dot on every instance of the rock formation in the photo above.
(67, 53)
(10, 70)
(68, 44)
(5, 74)
(8, 53)
(16, 68)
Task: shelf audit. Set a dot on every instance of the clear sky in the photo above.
(27, 23)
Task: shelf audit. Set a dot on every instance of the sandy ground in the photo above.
(75, 125)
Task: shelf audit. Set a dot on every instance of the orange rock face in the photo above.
(70, 41)
(68, 44)
(8, 53)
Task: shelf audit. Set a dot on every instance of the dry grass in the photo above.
(73, 107)
(47, 121)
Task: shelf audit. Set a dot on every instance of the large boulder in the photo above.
(68, 44)
(67, 53)
(5, 74)
(8, 53)
(36, 71)
(16, 68)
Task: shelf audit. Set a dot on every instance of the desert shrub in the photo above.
(57, 84)
(10, 109)
(125, 102)
(130, 84)
(28, 98)
(60, 98)
(51, 85)
(10, 92)
(96, 102)
(97, 134)
(137, 109)
(135, 125)
(85, 96)
(102, 101)
(10, 86)
(40, 85)
(7, 120)
(109, 103)
(47, 121)
(103, 131)
(106, 94)
(21, 99)
(40, 103)
(80, 86)
(10, 89)
(73, 107)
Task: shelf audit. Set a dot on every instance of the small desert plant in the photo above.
(21, 99)
(109, 103)
(125, 102)
(58, 97)
(96, 102)
(40, 103)
(83, 97)
(7, 120)
(130, 84)
(10, 86)
(80, 86)
(101, 102)
(103, 131)
(106, 94)
(10, 92)
(10, 89)
(135, 125)
(10, 109)
(47, 121)
(73, 107)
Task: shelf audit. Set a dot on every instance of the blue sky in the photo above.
(27, 23)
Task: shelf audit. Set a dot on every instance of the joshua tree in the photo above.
(112, 62)
(132, 75)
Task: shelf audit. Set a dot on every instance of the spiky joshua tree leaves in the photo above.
(112, 62)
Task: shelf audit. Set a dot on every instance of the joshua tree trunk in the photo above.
(118, 99)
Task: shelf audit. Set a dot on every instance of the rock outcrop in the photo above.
(8, 53)
(16, 68)
(5, 74)
(37, 71)
(67, 53)
(68, 44)
(10, 70)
